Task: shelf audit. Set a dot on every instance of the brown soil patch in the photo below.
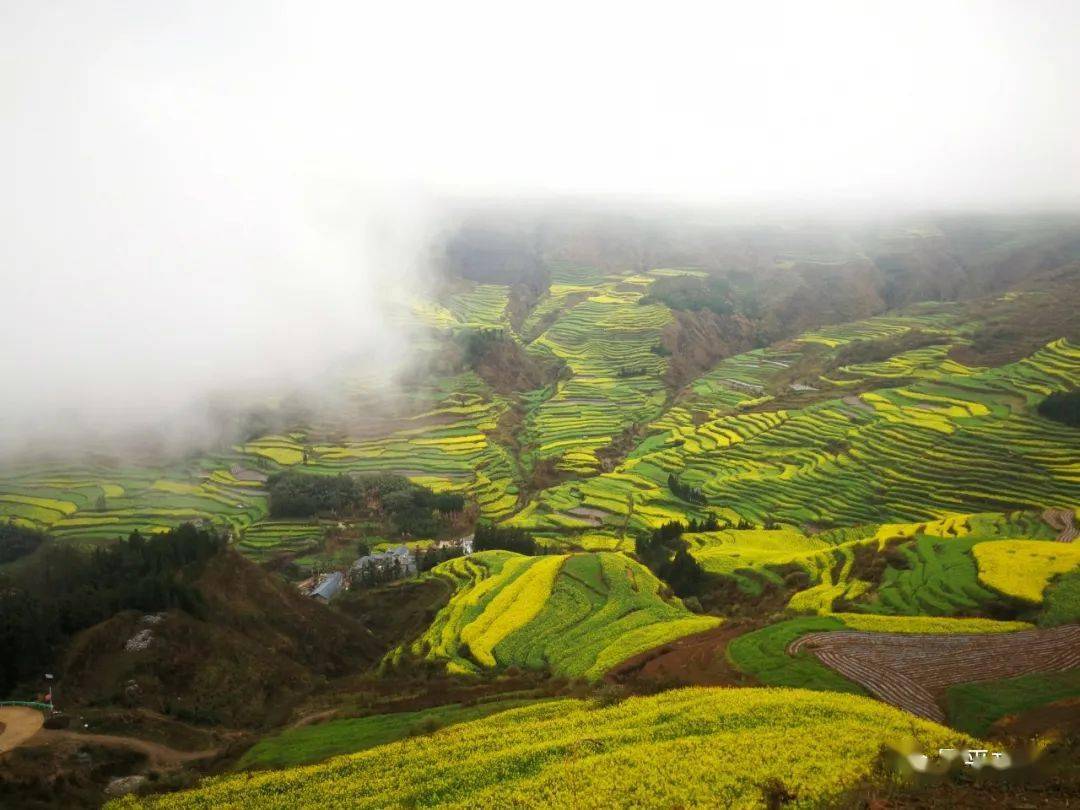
(912, 671)
(696, 660)
(1061, 717)
(17, 725)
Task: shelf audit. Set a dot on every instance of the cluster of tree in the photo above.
(874, 351)
(667, 555)
(732, 294)
(479, 342)
(18, 541)
(66, 590)
(692, 292)
(684, 491)
(709, 524)
(1062, 407)
(426, 559)
(378, 573)
(409, 508)
(489, 537)
(297, 494)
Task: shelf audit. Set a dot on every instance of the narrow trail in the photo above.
(17, 725)
(316, 717)
(158, 754)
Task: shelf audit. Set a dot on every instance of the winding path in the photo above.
(20, 725)
(159, 755)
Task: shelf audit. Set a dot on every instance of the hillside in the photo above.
(576, 615)
(713, 747)
(832, 444)
(241, 661)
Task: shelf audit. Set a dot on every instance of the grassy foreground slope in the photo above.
(301, 745)
(690, 747)
(575, 614)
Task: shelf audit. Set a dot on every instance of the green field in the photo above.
(974, 707)
(962, 442)
(319, 741)
(1062, 603)
(607, 343)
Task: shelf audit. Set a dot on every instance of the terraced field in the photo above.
(88, 503)
(912, 672)
(946, 439)
(771, 656)
(575, 615)
(482, 306)
(940, 578)
(276, 536)
(446, 447)
(909, 498)
(931, 317)
(960, 443)
(607, 340)
(688, 747)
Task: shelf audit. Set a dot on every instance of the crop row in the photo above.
(575, 615)
(962, 443)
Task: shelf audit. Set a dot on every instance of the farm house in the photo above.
(328, 587)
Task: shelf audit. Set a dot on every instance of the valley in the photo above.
(730, 526)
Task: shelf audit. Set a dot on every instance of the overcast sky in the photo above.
(201, 192)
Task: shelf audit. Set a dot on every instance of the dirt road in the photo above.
(159, 755)
(19, 724)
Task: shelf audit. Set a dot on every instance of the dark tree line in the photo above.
(667, 555)
(684, 491)
(479, 342)
(67, 590)
(18, 541)
(693, 293)
(489, 537)
(735, 294)
(709, 524)
(378, 574)
(411, 509)
(1062, 407)
(426, 559)
(874, 351)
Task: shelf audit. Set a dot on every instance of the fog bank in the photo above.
(221, 199)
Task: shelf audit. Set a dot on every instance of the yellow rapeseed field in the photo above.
(692, 747)
(1023, 568)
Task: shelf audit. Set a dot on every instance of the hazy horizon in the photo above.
(223, 199)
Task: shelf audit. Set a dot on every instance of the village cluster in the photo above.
(397, 563)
